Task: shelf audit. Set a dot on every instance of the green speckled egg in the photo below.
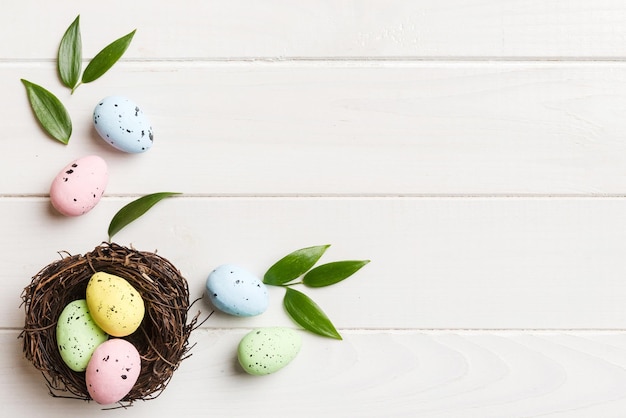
(115, 305)
(267, 350)
(78, 335)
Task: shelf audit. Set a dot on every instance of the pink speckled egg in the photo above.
(112, 371)
(79, 186)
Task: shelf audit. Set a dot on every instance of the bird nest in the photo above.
(162, 338)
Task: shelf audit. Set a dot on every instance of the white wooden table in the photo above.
(475, 151)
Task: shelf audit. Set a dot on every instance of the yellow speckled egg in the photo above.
(115, 305)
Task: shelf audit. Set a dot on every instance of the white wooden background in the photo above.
(474, 150)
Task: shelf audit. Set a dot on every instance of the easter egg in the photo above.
(122, 124)
(267, 350)
(112, 371)
(115, 305)
(78, 187)
(78, 335)
(236, 291)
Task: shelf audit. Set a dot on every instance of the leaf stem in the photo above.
(76, 86)
(290, 284)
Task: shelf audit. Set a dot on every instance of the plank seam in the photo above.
(349, 60)
(367, 196)
(434, 331)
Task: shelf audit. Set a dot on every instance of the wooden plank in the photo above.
(396, 129)
(542, 263)
(281, 29)
(373, 374)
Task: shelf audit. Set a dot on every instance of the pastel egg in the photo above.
(78, 335)
(236, 291)
(121, 123)
(112, 371)
(79, 186)
(115, 305)
(267, 350)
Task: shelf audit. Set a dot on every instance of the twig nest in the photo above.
(161, 339)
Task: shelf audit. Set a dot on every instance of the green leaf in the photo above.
(134, 210)
(105, 59)
(293, 265)
(332, 273)
(69, 58)
(307, 314)
(49, 111)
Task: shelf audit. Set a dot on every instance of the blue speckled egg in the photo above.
(236, 291)
(122, 124)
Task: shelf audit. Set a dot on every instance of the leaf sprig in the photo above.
(49, 111)
(300, 307)
(134, 210)
(47, 108)
(70, 55)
